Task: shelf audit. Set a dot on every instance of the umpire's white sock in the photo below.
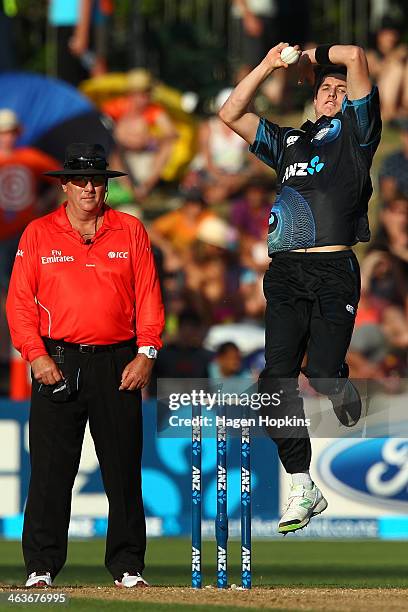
(302, 478)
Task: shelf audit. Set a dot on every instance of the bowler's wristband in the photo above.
(322, 55)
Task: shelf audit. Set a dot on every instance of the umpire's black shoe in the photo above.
(347, 405)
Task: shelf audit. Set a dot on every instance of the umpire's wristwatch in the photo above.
(149, 351)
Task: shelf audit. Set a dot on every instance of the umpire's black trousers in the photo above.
(56, 436)
(311, 302)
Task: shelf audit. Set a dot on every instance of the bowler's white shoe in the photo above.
(128, 581)
(301, 506)
(39, 579)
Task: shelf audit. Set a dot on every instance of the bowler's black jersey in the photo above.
(323, 174)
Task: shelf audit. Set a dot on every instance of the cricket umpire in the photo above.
(84, 308)
(312, 286)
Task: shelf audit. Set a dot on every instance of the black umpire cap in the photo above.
(87, 159)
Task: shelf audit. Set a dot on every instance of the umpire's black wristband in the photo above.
(322, 55)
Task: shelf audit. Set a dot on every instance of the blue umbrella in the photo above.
(52, 113)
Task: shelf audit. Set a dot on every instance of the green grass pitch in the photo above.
(279, 563)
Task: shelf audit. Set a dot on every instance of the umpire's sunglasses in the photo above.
(80, 180)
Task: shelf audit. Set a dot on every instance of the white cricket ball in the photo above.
(289, 55)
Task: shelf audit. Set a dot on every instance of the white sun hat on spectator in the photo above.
(215, 231)
(249, 337)
(8, 120)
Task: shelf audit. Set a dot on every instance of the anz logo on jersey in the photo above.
(303, 168)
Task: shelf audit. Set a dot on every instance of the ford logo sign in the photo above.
(373, 471)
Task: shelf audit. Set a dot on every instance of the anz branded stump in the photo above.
(196, 573)
(221, 520)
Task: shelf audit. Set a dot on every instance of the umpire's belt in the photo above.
(90, 348)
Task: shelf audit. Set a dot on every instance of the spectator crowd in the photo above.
(208, 223)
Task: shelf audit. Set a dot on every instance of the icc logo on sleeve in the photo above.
(118, 254)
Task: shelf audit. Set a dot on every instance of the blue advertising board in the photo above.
(166, 480)
(365, 481)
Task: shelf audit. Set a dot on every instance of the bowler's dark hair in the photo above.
(322, 73)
